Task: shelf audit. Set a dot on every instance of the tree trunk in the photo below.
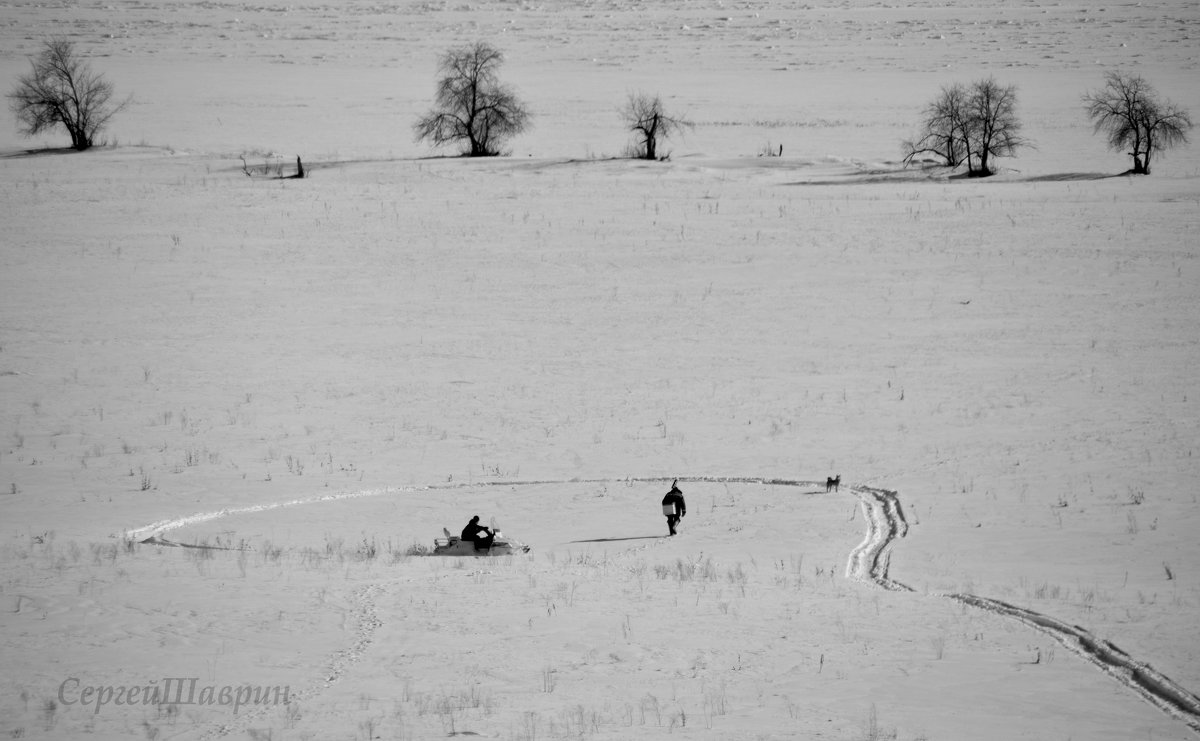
(652, 139)
(949, 155)
(79, 139)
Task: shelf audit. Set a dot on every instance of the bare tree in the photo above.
(471, 105)
(970, 125)
(993, 127)
(943, 132)
(62, 89)
(644, 116)
(1128, 110)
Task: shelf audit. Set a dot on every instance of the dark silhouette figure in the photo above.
(673, 506)
(478, 534)
(832, 483)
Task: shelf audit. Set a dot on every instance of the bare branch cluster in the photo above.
(471, 105)
(645, 117)
(1127, 109)
(969, 125)
(62, 89)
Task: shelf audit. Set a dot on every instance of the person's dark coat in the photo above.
(477, 534)
(675, 498)
(674, 507)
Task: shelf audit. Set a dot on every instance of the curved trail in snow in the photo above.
(885, 522)
(869, 561)
(155, 529)
(1142, 678)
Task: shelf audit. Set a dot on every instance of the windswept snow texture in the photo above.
(306, 381)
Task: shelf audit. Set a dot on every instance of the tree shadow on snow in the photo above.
(1063, 177)
(24, 153)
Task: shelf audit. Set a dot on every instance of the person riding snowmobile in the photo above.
(478, 534)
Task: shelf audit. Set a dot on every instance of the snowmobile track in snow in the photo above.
(885, 522)
(869, 561)
(1142, 678)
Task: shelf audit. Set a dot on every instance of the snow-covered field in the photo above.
(308, 378)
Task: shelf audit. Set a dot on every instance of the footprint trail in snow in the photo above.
(868, 562)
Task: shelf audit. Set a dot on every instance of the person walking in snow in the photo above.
(673, 506)
(478, 534)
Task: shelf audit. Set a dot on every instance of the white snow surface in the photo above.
(232, 408)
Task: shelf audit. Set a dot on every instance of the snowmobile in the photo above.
(452, 545)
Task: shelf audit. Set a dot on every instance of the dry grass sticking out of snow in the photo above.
(308, 380)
